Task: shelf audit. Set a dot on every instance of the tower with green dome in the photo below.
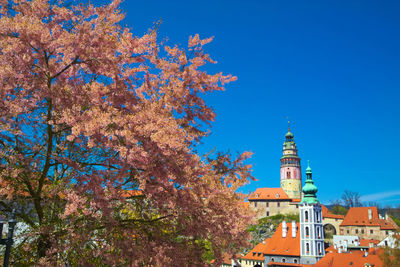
(311, 226)
(290, 168)
(309, 189)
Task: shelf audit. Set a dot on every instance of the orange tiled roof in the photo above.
(353, 259)
(330, 249)
(257, 253)
(327, 214)
(246, 204)
(131, 193)
(288, 245)
(227, 258)
(365, 242)
(358, 216)
(273, 263)
(270, 194)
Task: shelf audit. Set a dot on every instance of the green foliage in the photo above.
(338, 209)
(396, 220)
(391, 256)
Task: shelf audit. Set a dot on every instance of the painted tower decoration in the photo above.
(311, 227)
(290, 168)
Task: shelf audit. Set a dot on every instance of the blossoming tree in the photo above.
(98, 137)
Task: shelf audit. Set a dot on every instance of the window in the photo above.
(319, 249)
(307, 248)
(306, 215)
(288, 175)
(267, 204)
(387, 232)
(272, 259)
(356, 231)
(341, 231)
(319, 232)
(267, 213)
(295, 261)
(371, 231)
(278, 204)
(348, 231)
(307, 232)
(283, 260)
(362, 231)
(255, 204)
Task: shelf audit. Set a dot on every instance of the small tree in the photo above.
(90, 115)
(351, 199)
(391, 256)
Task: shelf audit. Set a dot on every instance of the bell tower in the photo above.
(311, 226)
(290, 168)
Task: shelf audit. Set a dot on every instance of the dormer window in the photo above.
(277, 195)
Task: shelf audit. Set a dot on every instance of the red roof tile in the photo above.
(353, 259)
(257, 253)
(366, 242)
(131, 193)
(327, 214)
(270, 194)
(359, 216)
(288, 245)
(272, 263)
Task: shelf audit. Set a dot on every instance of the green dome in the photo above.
(309, 189)
(289, 134)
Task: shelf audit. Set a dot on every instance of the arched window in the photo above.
(272, 259)
(295, 261)
(319, 232)
(283, 260)
(307, 248)
(306, 216)
(319, 249)
(307, 232)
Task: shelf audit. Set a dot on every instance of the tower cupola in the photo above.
(309, 189)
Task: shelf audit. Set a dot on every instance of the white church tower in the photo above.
(311, 227)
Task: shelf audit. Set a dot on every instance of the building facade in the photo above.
(311, 227)
(366, 222)
(284, 200)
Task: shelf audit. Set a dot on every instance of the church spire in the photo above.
(309, 189)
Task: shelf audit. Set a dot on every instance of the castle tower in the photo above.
(290, 168)
(311, 227)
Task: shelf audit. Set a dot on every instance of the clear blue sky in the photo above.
(331, 66)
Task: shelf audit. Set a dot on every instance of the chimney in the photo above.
(369, 214)
(294, 229)
(284, 229)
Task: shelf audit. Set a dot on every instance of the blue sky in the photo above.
(332, 67)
